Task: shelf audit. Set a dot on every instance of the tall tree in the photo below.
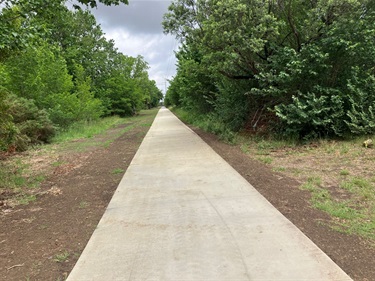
(293, 63)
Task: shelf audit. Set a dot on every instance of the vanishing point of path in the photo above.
(182, 213)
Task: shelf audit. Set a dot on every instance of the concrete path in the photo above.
(182, 213)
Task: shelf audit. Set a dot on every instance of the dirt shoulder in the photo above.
(352, 253)
(43, 240)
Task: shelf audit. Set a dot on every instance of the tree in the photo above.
(57, 68)
(275, 57)
(16, 32)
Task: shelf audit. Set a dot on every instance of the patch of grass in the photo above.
(352, 209)
(312, 184)
(360, 186)
(88, 129)
(117, 171)
(107, 143)
(345, 148)
(265, 159)
(322, 199)
(207, 123)
(344, 172)
(353, 217)
(58, 163)
(83, 204)
(279, 169)
(262, 152)
(347, 185)
(15, 175)
(338, 209)
(25, 199)
(61, 257)
(146, 124)
(245, 148)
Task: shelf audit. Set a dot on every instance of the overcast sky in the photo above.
(137, 30)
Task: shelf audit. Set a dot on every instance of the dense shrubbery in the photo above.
(300, 68)
(57, 68)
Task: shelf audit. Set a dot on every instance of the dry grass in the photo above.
(339, 174)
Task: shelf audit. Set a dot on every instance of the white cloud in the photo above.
(137, 30)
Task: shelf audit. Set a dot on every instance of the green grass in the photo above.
(16, 175)
(344, 172)
(353, 217)
(208, 124)
(88, 129)
(25, 199)
(265, 159)
(361, 187)
(117, 171)
(279, 169)
(61, 257)
(58, 163)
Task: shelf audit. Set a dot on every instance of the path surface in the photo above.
(182, 213)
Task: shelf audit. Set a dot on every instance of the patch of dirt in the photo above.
(43, 240)
(352, 253)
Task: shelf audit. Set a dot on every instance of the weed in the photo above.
(83, 204)
(347, 185)
(146, 124)
(344, 149)
(117, 171)
(62, 257)
(316, 180)
(107, 143)
(58, 163)
(262, 152)
(279, 169)
(245, 148)
(344, 172)
(25, 199)
(265, 159)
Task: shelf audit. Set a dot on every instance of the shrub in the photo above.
(28, 125)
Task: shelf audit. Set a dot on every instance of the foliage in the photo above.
(28, 125)
(16, 15)
(57, 68)
(38, 72)
(304, 68)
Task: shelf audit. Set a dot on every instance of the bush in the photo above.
(28, 125)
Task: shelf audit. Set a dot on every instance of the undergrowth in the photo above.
(208, 123)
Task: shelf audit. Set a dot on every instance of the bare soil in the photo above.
(43, 240)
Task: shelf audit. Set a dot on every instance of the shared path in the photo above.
(182, 213)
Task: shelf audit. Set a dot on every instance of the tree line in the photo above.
(57, 68)
(301, 68)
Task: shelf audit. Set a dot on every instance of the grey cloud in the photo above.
(140, 17)
(137, 30)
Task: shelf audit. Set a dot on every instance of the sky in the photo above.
(136, 29)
